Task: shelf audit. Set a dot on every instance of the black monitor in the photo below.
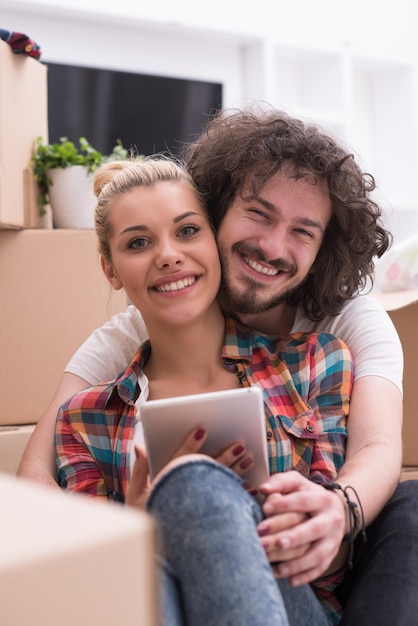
(151, 114)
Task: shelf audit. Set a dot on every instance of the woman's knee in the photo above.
(196, 485)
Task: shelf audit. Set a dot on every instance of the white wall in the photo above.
(203, 39)
(228, 41)
(81, 38)
(360, 21)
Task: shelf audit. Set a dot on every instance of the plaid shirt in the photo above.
(306, 381)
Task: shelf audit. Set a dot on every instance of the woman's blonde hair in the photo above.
(117, 177)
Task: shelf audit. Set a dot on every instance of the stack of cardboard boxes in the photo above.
(53, 292)
(70, 561)
(402, 307)
(23, 117)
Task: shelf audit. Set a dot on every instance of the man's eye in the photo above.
(188, 231)
(137, 243)
(304, 232)
(259, 212)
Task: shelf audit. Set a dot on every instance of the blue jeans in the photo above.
(214, 571)
(382, 587)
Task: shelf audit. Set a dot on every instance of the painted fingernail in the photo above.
(238, 450)
(245, 463)
(262, 530)
(199, 434)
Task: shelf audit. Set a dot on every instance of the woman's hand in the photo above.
(303, 529)
(139, 483)
(234, 456)
(138, 488)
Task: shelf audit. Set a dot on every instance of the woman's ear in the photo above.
(110, 274)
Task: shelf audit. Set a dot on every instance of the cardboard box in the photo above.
(13, 440)
(53, 294)
(409, 473)
(23, 117)
(69, 560)
(402, 307)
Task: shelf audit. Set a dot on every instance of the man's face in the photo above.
(268, 244)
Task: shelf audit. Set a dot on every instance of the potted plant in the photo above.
(63, 173)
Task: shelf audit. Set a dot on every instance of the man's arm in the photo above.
(372, 467)
(38, 460)
(374, 444)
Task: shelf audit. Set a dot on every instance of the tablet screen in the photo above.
(228, 416)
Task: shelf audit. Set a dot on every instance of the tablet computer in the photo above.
(227, 416)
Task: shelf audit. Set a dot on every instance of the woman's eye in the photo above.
(189, 231)
(137, 243)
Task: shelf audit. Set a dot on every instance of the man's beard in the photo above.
(249, 303)
(252, 300)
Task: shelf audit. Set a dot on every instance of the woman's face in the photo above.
(163, 253)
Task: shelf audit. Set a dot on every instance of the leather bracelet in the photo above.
(355, 517)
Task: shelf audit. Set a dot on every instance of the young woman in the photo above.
(156, 242)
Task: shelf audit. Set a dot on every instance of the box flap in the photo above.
(393, 300)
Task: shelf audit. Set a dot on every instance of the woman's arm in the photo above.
(38, 460)
(104, 354)
(84, 444)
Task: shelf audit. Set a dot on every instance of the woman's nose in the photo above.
(169, 255)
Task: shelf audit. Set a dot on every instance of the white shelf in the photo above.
(365, 98)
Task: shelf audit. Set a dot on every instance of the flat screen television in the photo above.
(151, 114)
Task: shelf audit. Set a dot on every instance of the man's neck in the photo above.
(277, 321)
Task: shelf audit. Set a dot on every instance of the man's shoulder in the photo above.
(312, 342)
(361, 302)
(364, 306)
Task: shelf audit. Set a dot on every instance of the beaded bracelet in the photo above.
(355, 517)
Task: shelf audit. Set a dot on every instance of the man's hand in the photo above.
(304, 527)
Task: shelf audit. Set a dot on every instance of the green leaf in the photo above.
(64, 153)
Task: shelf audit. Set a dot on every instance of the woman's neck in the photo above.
(186, 359)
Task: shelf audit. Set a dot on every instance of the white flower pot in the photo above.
(72, 197)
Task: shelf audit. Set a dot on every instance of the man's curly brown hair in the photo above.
(245, 148)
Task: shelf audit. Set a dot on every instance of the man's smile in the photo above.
(258, 267)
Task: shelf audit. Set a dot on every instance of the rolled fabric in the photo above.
(21, 43)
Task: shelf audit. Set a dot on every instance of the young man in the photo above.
(297, 231)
